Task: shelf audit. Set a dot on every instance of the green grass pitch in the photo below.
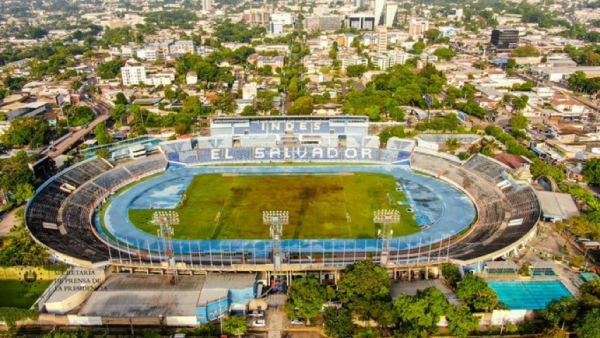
(318, 205)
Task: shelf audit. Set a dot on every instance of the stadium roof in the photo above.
(557, 205)
(218, 286)
(131, 296)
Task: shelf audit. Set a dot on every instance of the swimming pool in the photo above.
(531, 295)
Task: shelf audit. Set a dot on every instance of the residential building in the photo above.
(133, 75)
(382, 39)
(417, 27)
(148, 54)
(191, 78)
(182, 47)
(257, 18)
(274, 62)
(505, 39)
(249, 91)
(161, 48)
(354, 61)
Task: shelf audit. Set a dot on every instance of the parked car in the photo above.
(257, 314)
(297, 322)
(259, 323)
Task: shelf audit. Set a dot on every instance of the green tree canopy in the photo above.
(589, 325)
(364, 283)
(444, 53)
(525, 51)
(109, 70)
(26, 131)
(451, 274)
(235, 326)
(461, 321)
(302, 106)
(102, 136)
(518, 122)
(476, 293)
(338, 322)
(591, 170)
(306, 297)
(419, 314)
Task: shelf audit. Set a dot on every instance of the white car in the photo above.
(259, 323)
(297, 322)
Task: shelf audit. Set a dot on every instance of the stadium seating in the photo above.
(71, 212)
(496, 207)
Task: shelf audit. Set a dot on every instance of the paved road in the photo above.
(102, 111)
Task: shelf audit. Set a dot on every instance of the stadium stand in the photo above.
(496, 208)
(61, 220)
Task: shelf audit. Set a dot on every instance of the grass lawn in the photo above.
(318, 206)
(21, 294)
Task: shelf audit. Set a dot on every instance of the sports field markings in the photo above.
(345, 208)
(219, 224)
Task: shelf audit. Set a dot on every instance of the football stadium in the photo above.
(276, 197)
(327, 175)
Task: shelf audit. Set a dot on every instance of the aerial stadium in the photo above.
(304, 166)
(280, 196)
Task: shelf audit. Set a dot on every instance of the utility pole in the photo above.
(386, 217)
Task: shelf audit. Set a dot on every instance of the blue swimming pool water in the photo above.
(530, 295)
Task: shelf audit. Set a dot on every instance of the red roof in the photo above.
(512, 161)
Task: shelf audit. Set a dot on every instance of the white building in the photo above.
(379, 4)
(207, 5)
(133, 75)
(182, 47)
(148, 54)
(391, 8)
(249, 91)
(191, 78)
(354, 61)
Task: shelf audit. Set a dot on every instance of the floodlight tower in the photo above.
(386, 217)
(166, 219)
(276, 220)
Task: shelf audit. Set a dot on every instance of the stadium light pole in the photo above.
(166, 219)
(386, 217)
(276, 220)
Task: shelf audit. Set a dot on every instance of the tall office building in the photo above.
(391, 9)
(505, 39)
(382, 38)
(207, 5)
(379, 5)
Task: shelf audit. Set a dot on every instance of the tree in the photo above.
(364, 283)
(109, 70)
(589, 325)
(102, 136)
(20, 249)
(248, 111)
(302, 106)
(451, 274)
(169, 93)
(356, 70)
(235, 326)
(15, 171)
(591, 170)
(461, 321)
(420, 313)
(518, 122)
(476, 293)
(525, 51)
(121, 99)
(306, 297)
(561, 312)
(337, 322)
(118, 112)
(444, 53)
(23, 131)
(23, 193)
